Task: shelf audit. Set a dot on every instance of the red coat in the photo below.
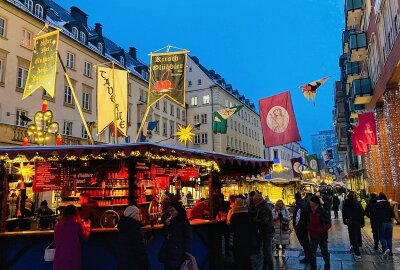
(67, 236)
(320, 223)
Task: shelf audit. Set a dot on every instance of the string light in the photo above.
(384, 154)
(376, 167)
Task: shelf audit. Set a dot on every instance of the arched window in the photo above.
(29, 5)
(122, 60)
(100, 47)
(39, 11)
(75, 32)
(82, 37)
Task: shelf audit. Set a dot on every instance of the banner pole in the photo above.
(142, 123)
(115, 106)
(76, 99)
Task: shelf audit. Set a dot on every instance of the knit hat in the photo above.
(240, 206)
(132, 212)
(257, 199)
(315, 199)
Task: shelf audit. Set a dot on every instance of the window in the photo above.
(231, 123)
(39, 11)
(183, 115)
(206, 99)
(199, 82)
(171, 129)
(246, 131)
(26, 39)
(197, 139)
(276, 153)
(2, 27)
(196, 119)
(171, 110)
(231, 142)
(2, 68)
(88, 69)
(193, 101)
(227, 140)
(67, 130)
(122, 60)
(75, 32)
(67, 95)
(129, 113)
(189, 83)
(29, 5)
(86, 101)
(158, 105)
(157, 128)
(84, 133)
(178, 113)
(190, 69)
(236, 126)
(204, 118)
(22, 75)
(70, 60)
(204, 138)
(141, 95)
(164, 106)
(82, 37)
(45, 94)
(100, 47)
(226, 103)
(164, 129)
(129, 89)
(18, 120)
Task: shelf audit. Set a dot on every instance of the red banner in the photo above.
(367, 128)
(359, 146)
(277, 120)
(296, 163)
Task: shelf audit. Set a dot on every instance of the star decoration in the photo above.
(184, 133)
(26, 171)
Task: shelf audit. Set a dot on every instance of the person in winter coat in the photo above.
(281, 218)
(318, 227)
(89, 210)
(385, 219)
(353, 217)
(335, 206)
(371, 211)
(68, 234)
(263, 221)
(131, 249)
(300, 223)
(244, 235)
(178, 234)
(43, 213)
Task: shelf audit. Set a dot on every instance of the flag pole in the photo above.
(142, 123)
(76, 100)
(115, 106)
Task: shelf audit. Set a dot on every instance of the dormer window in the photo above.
(39, 11)
(82, 37)
(122, 60)
(75, 32)
(29, 5)
(100, 47)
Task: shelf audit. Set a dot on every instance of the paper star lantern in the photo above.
(185, 133)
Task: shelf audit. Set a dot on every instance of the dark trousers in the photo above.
(375, 233)
(302, 236)
(355, 238)
(336, 213)
(323, 245)
(266, 243)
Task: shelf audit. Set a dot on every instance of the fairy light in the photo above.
(392, 113)
(376, 167)
(368, 168)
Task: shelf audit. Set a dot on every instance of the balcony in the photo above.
(342, 61)
(355, 109)
(353, 71)
(358, 47)
(354, 13)
(361, 91)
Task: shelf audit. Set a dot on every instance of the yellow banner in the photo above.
(43, 67)
(112, 94)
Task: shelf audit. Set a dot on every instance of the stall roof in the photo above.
(229, 165)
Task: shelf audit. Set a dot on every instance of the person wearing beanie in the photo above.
(318, 227)
(178, 234)
(265, 227)
(44, 213)
(131, 251)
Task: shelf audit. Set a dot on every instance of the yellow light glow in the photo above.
(278, 168)
(26, 171)
(184, 133)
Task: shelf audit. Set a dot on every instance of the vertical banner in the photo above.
(367, 128)
(312, 162)
(327, 155)
(167, 77)
(360, 148)
(296, 163)
(277, 120)
(43, 66)
(112, 94)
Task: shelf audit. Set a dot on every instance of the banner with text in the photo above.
(43, 66)
(167, 77)
(112, 96)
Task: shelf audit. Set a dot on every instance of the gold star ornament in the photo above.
(185, 133)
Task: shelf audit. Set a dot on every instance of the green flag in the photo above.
(312, 162)
(220, 122)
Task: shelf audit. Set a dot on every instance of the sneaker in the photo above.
(283, 253)
(276, 253)
(357, 257)
(386, 253)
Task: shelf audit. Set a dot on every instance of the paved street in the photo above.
(341, 258)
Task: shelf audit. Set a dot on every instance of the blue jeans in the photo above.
(266, 242)
(386, 235)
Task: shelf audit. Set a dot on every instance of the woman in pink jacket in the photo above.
(68, 234)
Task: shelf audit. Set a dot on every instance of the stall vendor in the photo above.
(89, 210)
(44, 213)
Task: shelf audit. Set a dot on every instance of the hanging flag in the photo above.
(312, 162)
(112, 96)
(43, 66)
(167, 77)
(220, 122)
(277, 120)
(360, 148)
(147, 127)
(310, 89)
(367, 128)
(296, 163)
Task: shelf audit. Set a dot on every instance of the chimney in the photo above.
(79, 15)
(98, 28)
(196, 60)
(132, 52)
(212, 72)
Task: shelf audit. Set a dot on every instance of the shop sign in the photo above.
(47, 177)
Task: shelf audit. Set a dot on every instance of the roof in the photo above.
(229, 165)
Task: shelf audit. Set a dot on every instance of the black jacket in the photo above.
(385, 212)
(91, 211)
(131, 249)
(371, 211)
(353, 213)
(304, 215)
(178, 236)
(263, 220)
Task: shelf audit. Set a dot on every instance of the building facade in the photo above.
(370, 83)
(323, 141)
(81, 48)
(207, 92)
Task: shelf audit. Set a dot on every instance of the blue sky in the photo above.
(260, 47)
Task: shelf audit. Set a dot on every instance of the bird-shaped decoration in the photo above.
(310, 89)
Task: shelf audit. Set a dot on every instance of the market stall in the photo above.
(115, 176)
